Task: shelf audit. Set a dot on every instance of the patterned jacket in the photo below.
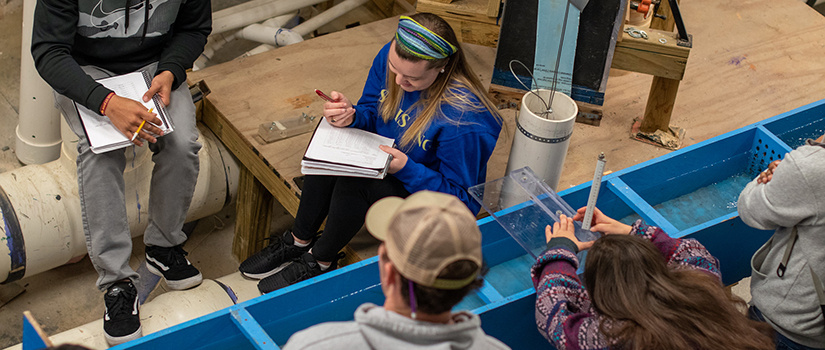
(564, 312)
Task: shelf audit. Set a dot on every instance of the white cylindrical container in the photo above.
(541, 139)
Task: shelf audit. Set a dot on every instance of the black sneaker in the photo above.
(274, 257)
(302, 268)
(172, 265)
(121, 321)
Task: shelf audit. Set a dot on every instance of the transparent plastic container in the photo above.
(524, 205)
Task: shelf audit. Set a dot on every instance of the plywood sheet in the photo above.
(750, 61)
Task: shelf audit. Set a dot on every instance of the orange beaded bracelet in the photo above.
(106, 103)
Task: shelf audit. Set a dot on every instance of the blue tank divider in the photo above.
(639, 205)
(252, 330)
(665, 191)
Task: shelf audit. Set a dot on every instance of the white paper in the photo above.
(348, 146)
(345, 152)
(102, 134)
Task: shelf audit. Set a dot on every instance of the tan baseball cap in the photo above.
(425, 233)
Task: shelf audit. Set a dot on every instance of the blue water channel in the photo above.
(705, 204)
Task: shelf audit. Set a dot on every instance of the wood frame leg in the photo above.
(660, 103)
(253, 215)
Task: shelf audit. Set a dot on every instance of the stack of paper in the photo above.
(101, 133)
(346, 152)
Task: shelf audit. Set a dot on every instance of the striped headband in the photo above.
(422, 42)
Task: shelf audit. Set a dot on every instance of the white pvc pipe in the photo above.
(277, 37)
(271, 36)
(541, 140)
(38, 128)
(327, 16)
(222, 22)
(40, 208)
(217, 41)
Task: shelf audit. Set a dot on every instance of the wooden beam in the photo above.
(659, 107)
(253, 209)
(470, 10)
(651, 56)
(493, 6)
(473, 32)
(250, 157)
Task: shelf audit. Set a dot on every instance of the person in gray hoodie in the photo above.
(787, 272)
(432, 246)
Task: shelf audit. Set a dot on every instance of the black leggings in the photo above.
(345, 200)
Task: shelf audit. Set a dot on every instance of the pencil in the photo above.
(140, 127)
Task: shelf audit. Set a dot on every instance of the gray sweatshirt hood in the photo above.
(383, 329)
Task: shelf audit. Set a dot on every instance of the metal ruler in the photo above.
(594, 192)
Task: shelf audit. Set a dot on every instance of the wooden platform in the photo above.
(745, 66)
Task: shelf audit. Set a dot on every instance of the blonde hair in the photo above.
(448, 88)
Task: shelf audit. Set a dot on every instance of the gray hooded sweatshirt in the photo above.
(795, 196)
(377, 328)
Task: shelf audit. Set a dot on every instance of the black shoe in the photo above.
(274, 257)
(302, 268)
(121, 322)
(172, 265)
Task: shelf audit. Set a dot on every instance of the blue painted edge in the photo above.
(31, 339)
(14, 239)
(640, 206)
(527, 293)
(794, 111)
(767, 133)
(488, 293)
(252, 329)
(704, 225)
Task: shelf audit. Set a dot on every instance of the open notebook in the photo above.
(101, 133)
(346, 152)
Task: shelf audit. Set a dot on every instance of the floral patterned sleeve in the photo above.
(564, 312)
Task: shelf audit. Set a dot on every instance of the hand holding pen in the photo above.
(337, 110)
(127, 115)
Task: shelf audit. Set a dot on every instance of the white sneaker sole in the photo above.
(185, 283)
(260, 276)
(112, 341)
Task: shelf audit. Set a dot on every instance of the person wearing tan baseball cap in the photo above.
(432, 246)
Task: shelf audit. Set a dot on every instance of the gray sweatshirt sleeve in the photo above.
(785, 201)
(55, 23)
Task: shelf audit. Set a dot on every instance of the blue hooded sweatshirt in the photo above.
(452, 153)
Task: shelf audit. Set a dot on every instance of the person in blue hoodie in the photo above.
(420, 91)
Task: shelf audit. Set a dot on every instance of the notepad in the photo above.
(346, 152)
(103, 136)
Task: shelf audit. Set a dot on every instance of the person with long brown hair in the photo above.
(642, 290)
(420, 91)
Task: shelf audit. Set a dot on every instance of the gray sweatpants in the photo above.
(101, 186)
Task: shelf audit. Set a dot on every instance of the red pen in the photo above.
(323, 95)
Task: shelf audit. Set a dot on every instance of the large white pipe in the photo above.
(168, 309)
(222, 22)
(38, 128)
(40, 219)
(542, 139)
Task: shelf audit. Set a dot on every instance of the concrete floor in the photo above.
(65, 297)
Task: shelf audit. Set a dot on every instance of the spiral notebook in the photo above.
(101, 133)
(346, 152)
